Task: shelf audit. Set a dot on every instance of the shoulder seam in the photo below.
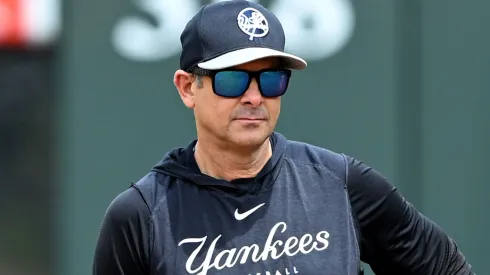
(354, 218)
(150, 224)
(142, 196)
(346, 165)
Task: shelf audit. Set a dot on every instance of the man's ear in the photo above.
(183, 82)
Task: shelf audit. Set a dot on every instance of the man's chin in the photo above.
(250, 139)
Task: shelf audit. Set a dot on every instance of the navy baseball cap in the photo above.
(229, 33)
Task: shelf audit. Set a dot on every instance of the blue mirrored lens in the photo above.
(230, 83)
(273, 84)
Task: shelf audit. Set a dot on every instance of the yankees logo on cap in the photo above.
(253, 23)
(229, 33)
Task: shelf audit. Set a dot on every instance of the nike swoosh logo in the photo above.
(241, 216)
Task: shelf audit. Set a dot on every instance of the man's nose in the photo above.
(252, 96)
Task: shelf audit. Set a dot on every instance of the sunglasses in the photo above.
(234, 83)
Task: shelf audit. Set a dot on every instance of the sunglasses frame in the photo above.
(251, 74)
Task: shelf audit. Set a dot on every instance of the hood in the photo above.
(180, 163)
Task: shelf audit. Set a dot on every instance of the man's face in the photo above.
(245, 121)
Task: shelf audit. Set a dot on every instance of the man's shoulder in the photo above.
(127, 205)
(138, 201)
(153, 188)
(306, 153)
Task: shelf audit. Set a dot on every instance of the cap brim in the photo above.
(242, 56)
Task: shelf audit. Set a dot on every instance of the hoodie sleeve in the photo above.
(395, 237)
(123, 244)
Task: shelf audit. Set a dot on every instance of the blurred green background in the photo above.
(402, 85)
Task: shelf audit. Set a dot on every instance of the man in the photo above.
(242, 199)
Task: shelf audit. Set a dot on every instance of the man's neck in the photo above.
(229, 165)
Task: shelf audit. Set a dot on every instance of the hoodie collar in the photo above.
(181, 163)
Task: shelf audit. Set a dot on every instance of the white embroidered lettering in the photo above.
(272, 248)
(322, 237)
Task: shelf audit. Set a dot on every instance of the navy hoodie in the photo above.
(309, 211)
